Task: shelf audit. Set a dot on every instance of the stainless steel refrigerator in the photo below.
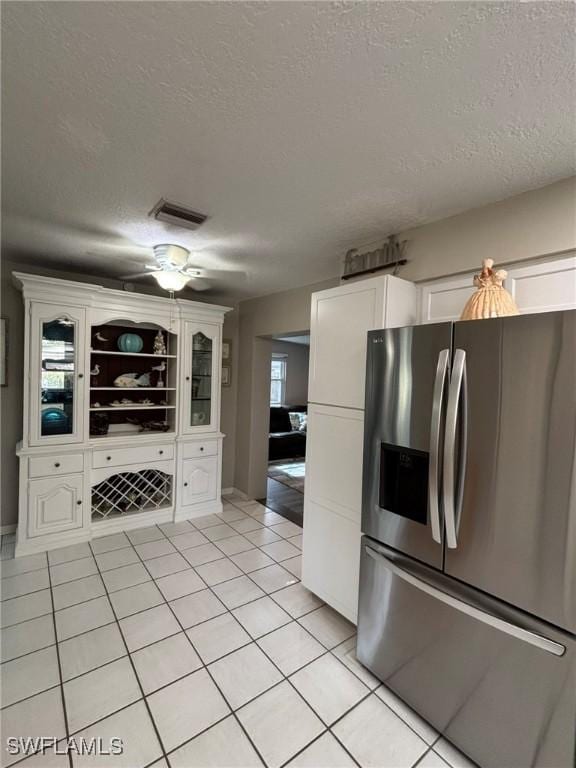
(468, 568)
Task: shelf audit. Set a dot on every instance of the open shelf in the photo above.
(133, 432)
(130, 354)
(132, 389)
(121, 408)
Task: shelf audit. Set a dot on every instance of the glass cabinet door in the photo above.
(201, 387)
(56, 406)
(200, 413)
(58, 346)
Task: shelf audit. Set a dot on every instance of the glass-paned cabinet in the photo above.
(201, 392)
(56, 375)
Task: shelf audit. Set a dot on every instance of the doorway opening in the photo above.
(288, 425)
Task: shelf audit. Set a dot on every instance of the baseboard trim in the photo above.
(236, 491)
(6, 529)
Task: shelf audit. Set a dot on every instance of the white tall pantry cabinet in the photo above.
(121, 412)
(340, 320)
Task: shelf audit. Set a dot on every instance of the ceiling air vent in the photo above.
(179, 215)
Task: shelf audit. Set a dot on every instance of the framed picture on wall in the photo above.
(226, 375)
(226, 349)
(3, 351)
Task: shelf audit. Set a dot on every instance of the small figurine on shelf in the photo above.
(160, 368)
(159, 344)
(128, 380)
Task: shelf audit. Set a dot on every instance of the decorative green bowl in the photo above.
(130, 342)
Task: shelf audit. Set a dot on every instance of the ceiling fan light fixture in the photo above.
(171, 281)
(167, 254)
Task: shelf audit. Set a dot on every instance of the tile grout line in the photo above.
(63, 698)
(204, 666)
(135, 673)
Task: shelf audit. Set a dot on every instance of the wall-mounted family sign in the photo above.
(391, 254)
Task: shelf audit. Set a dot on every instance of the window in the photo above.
(278, 380)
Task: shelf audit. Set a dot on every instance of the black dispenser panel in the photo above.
(404, 482)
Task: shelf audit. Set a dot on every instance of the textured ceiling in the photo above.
(301, 129)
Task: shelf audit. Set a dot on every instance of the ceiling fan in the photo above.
(174, 270)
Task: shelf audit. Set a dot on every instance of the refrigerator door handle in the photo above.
(435, 424)
(539, 641)
(457, 401)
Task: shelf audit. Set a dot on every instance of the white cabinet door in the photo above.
(57, 374)
(544, 287)
(339, 322)
(333, 505)
(201, 386)
(55, 504)
(443, 300)
(334, 452)
(198, 480)
(331, 558)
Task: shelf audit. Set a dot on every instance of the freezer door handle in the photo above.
(457, 403)
(435, 425)
(539, 641)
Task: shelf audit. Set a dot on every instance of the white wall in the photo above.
(229, 398)
(278, 314)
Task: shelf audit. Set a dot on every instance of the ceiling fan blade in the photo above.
(198, 284)
(135, 276)
(215, 274)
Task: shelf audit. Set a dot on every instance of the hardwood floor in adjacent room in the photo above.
(286, 501)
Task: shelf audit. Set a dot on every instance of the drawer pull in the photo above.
(185, 484)
(160, 452)
(201, 447)
(79, 502)
(57, 464)
(108, 458)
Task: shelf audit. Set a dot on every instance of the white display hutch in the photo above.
(89, 467)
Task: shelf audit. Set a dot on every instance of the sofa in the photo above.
(284, 441)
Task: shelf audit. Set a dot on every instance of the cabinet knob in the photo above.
(160, 452)
(108, 458)
(79, 502)
(187, 378)
(201, 447)
(185, 484)
(57, 464)
(80, 375)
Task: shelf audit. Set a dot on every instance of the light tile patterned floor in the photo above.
(197, 645)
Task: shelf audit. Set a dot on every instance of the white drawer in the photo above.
(66, 464)
(198, 449)
(117, 457)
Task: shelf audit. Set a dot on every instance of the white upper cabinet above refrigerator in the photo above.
(340, 319)
(543, 286)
